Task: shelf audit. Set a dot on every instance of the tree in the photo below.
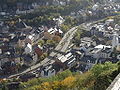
(46, 86)
(65, 28)
(102, 82)
(119, 66)
(63, 75)
(68, 82)
(77, 37)
(43, 56)
(69, 20)
(56, 85)
(51, 42)
(41, 42)
(47, 36)
(56, 38)
(101, 68)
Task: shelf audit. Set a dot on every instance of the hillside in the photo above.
(98, 78)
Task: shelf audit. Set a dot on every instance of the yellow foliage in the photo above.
(68, 82)
(56, 85)
(46, 86)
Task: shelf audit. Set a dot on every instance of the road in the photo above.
(62, 46)
(64, 43)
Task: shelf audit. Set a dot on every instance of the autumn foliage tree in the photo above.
(47, 36)
(57, 38)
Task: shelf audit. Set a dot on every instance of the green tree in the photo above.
(65, 28)
(100, 68)
(102, 82)
(77, 37)
(50, 42)
(41, 42)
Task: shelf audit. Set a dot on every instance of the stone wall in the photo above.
(115, 85)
